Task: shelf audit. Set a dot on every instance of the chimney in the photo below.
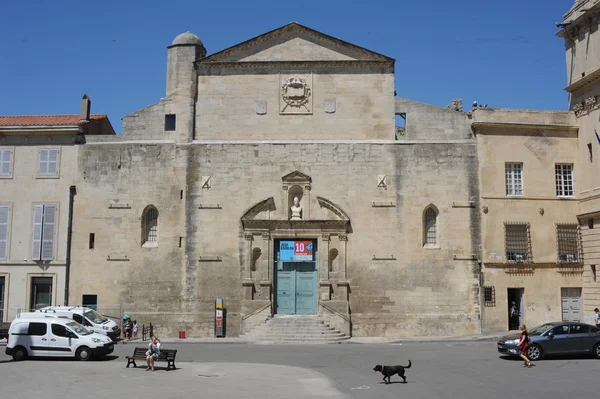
(86, 104)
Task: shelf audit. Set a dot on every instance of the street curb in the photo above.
(217, 341)
(447, 341)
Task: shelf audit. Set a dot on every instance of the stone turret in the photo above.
(181, 74)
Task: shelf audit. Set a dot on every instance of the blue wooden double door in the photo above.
(296, 287)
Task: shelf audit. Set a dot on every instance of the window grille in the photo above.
(564, 180)
(514, 178)
(518, 249)
(152, 224)
(568, 243)
(430, 226)
(489, 296)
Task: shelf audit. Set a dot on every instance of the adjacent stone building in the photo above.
(38, 171)
(579, 29)
(531, 245)
(272, 175)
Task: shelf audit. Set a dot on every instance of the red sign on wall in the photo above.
(303, 250)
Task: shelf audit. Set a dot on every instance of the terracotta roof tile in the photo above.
(46, 120)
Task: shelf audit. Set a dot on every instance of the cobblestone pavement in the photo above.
(440, 370)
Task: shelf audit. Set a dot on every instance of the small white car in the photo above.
(88, 317)
(54, 337)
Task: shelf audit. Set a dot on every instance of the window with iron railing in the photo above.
(568, 242)
(489, 296)
(517, 242)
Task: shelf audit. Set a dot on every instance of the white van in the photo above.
(54, 337)
(88, 317)
(38, 315)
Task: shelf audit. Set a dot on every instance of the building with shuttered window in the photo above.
(38, 172)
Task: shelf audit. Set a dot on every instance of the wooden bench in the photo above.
(166, 355)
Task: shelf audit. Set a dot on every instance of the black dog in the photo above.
(389, 371)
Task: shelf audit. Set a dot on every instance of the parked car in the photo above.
(88, 317)
(54, 337)
(556, 338)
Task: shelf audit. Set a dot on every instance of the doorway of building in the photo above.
(515, 299)
(571, 304)
(296, 277)
(41, 292)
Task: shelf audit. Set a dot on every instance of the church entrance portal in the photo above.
(296, 276)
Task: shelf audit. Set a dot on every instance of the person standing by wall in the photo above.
(597, 317)
(513, 317)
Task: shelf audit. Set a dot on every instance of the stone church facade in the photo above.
(272, 175)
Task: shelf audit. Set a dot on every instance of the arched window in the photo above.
(430, 226)
(150, 226)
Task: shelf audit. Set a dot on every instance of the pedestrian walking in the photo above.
(523, 345)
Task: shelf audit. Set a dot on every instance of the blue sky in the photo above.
(503, 53)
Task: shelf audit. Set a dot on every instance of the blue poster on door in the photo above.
(294, 251)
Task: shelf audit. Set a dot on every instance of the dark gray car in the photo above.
(555, 339)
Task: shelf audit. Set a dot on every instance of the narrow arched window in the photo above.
(430, 226)
(150, 226)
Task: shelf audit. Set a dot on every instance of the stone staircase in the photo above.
(294, 329)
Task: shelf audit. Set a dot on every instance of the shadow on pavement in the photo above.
(63, 359)
(550, 357)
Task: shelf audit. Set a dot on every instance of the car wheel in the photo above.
(19, 353)
(84, 354)
(534, 352)
(597, 351)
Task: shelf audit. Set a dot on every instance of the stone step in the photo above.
(294, 334)
(285, 322)
(264, 327)
(299, 341)
(294, 329)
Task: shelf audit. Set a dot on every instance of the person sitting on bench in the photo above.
(152, 353)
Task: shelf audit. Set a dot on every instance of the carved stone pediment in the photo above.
(259, 218)
(265, 206)
(292, 43)
(296, 177)
(333, 208)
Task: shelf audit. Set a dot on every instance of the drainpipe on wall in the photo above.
(72, 192)
(481, 293)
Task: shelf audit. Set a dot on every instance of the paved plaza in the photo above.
(440, 370)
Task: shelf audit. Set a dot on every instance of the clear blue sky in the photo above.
(503, 53)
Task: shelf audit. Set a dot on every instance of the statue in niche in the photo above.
(296, 210)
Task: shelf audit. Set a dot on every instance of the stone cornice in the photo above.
(295, 27)
(504, 125)
(296, 225)
(274, 65)
(585, 81)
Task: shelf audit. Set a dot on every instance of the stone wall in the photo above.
(361, 105)
(406, 290)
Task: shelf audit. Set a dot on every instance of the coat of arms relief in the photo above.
(296, 94)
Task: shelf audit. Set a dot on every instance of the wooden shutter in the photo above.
(4, 212)
(43, 168)
(52, 161)
(38, 217)
(5, 158)
(48, 232)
